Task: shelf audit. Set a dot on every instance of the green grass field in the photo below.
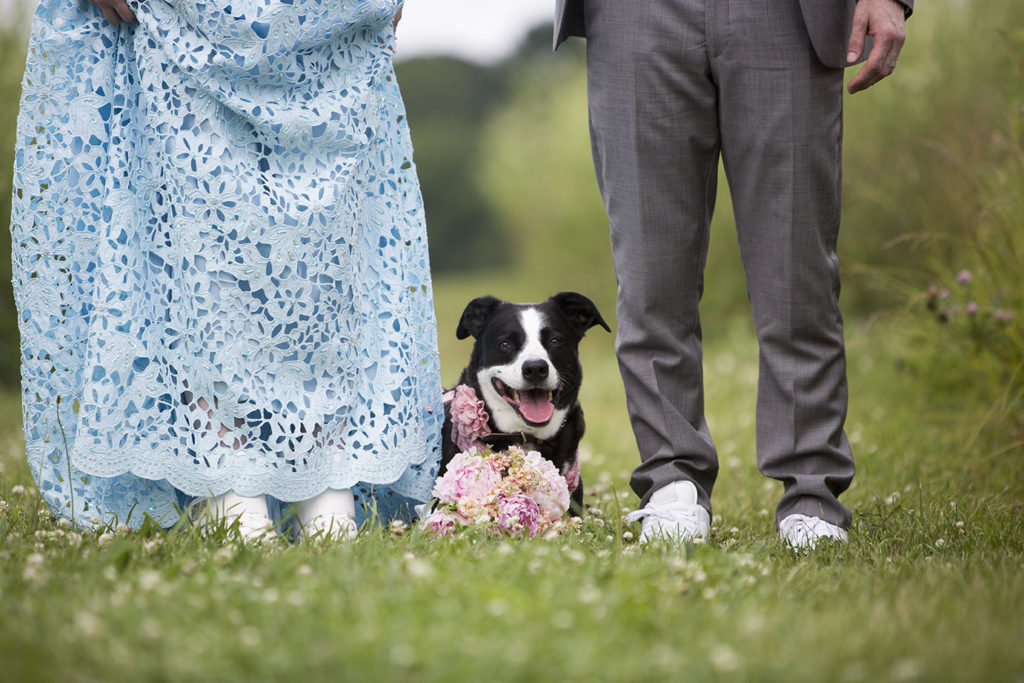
(930, 586)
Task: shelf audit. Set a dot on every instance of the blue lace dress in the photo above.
(220, 259)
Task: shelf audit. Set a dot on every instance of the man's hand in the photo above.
(115, 11)
(882, 19)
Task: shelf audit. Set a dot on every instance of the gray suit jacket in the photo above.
(828, 22)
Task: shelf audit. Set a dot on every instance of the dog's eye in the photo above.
(556, 340)
(505, 346)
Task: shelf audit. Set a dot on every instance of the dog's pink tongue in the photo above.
(535, 406)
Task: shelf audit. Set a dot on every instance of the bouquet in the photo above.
(504, 492)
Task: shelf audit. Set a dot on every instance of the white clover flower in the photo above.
(419, 568)
(589, 594)
(33, 571)
(224, 554)
(152, 545)
(150, 628)
(562, 620)
(104, 539)
(88, 624)
(724, 658)
(497, 607)
(18, 490)
(149, 579)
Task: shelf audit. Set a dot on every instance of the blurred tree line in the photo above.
(450, 102)
(504, 161)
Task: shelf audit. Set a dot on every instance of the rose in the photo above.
(518, 513)
(469, 419)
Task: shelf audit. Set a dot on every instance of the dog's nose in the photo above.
(535, 370)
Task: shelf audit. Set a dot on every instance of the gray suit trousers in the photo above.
(674, 84)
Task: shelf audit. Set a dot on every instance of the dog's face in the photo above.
(525, 360)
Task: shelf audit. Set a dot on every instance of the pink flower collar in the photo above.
(470, 423)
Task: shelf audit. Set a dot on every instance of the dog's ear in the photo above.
(476, 316)
(580, 311)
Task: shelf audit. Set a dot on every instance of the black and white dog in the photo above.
(525, 368)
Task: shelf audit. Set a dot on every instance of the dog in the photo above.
(525, 369)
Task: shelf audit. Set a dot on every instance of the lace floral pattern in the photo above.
(220, 259)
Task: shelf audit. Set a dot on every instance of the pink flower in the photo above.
(1002, 315)
(469, 419)
(971, 308)
(471, 481)
(517, 513)
(550, 492)
(964, 277)
(441, 523)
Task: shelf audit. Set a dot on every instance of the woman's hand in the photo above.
(398, 17)
(115, 11)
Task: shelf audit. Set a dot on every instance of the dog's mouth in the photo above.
(535, 406)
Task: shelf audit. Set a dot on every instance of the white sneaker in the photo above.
(330, 516)
(328, 528)
(672, 514)
(249, 516)
(802, 532)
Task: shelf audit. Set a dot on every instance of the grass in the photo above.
(929, 587)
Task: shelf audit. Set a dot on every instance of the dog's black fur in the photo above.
(533, 349)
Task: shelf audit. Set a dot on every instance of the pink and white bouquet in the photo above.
(504, 492)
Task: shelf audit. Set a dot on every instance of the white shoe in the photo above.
(249, 516)
(802, 532)
(328, 528)
(672, 514)
(331, 516)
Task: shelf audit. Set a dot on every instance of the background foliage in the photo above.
(932, 157)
